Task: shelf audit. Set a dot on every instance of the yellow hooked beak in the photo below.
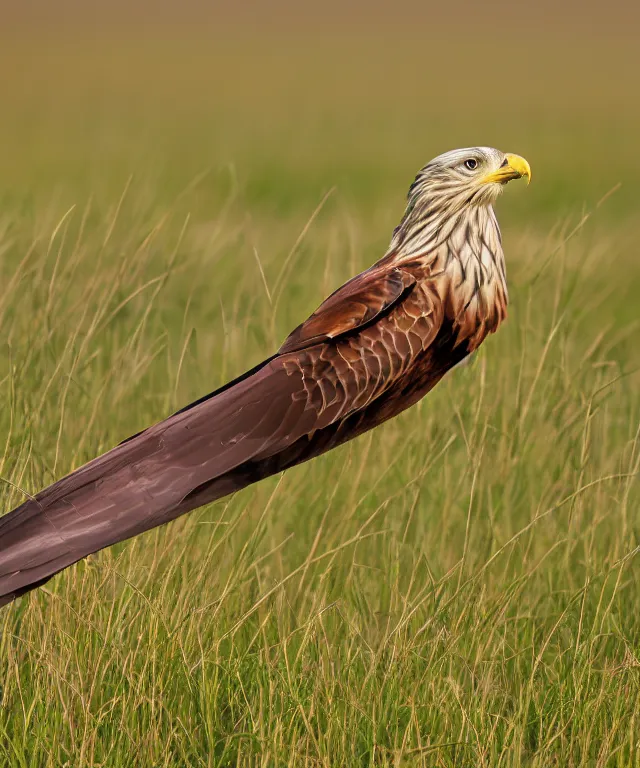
(513, 167)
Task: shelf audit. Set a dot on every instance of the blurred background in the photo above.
(349, 94)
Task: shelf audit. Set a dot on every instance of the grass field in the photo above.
(459, 587)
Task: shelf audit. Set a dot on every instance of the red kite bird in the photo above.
(372, 349)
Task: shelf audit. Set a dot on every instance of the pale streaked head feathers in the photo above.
(450, 186)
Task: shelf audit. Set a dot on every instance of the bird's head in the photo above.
(455, 182)
(472, 176)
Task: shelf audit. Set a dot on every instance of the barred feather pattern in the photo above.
(450, 227)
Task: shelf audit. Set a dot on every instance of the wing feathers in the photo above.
(360, 302)
(334, 377)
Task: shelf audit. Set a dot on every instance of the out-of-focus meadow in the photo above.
(178, 189)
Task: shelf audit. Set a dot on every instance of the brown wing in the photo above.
(360, 302)
(317, 393)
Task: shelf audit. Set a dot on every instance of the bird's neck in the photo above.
(463, 256)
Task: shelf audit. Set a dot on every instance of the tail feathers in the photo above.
(44, 542)
(192, 458)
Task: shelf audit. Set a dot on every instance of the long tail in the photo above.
(214, 447)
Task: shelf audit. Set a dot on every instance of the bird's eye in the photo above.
(471, 164)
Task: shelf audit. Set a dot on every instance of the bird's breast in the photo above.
(469, 276)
